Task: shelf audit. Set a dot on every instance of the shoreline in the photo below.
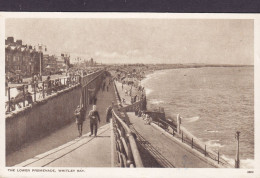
(246, 163)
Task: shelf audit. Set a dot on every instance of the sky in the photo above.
(211, 41)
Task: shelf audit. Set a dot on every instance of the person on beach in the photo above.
(80, 116)
(94, 118)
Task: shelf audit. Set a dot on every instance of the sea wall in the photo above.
(41, 118)
(46, 115)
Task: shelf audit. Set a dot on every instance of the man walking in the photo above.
(94, 118)
(80, 117)
(109, 112)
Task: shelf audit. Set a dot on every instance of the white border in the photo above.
(147, 172)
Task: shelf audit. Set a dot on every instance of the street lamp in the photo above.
(41, 52)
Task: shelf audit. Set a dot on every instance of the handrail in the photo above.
(132, 142)
(33, 92)
(198, 146)
(92, 79)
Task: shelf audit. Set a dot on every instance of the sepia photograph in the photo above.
(135, 92)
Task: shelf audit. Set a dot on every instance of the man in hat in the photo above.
(94, 118)
(79, 114)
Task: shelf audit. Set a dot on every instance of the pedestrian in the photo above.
(107, 88)
(103, 88)
(135, 98)
(80, 117)
(136, 111)
(6, 86)
(109, 112)
(139, 112)
(95, 100)
(94, 118)
(148, 120)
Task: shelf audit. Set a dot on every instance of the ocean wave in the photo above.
(155, 101)
(244, 163)
(247, 163)
(148, 91)
(211, 131)
(147, 78)
(191, 119)
(214, 144)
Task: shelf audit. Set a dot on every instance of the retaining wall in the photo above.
(44, 116)
(41, 118)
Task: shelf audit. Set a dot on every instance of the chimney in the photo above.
(19, 42)
(10, 40)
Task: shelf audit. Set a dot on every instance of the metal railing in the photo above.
(193, 142)
(25, 95)
(127, 151)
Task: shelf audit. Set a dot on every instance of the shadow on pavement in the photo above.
(150, 156)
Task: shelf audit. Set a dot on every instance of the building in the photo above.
(63, 62)
(91, 62)
(51, 65)
(21, 60)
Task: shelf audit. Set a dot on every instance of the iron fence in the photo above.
(25, 95)
(127, 151)
(193, 142)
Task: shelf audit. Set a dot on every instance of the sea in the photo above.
(214, 103)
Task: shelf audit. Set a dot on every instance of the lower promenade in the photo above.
(162, 146)
(68, 135)
(157, 148)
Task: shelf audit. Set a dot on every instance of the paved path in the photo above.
(81, 152)
(123, 95)
(63, 135)
(167, 152)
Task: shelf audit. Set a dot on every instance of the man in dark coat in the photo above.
(109, 112)
(94, 118)
(80, 117)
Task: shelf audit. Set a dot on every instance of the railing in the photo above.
(25, 95)
(193, 142)
(127, 151)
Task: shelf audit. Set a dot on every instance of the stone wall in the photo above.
(41, 118)
(46, 115)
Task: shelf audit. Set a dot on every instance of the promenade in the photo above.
(81, 152)
(122, 94)
(166, 151)
(62, 135)
(64, 149)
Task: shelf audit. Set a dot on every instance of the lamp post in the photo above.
(237, 160)
(41, 52)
